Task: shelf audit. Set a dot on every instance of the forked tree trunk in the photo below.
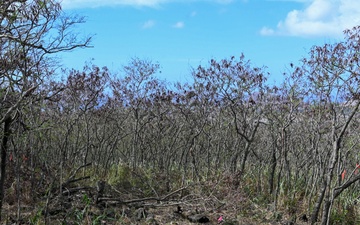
(337, 140)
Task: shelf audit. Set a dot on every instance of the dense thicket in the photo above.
(294, 144)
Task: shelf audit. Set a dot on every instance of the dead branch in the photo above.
(172, 193)
(78, 179)
(141, 199)
(71, 178)
(348, 183)
(71, 191)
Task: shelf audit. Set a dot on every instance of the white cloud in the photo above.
(179, 25)
(267, 31)
(68, 4)
(318, 18)
(148, 24)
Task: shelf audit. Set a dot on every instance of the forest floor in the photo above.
(78, 209)
(133, 197)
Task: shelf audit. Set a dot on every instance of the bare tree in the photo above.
(240, 88)
(133, 91)
(333, 84)
(30, 32)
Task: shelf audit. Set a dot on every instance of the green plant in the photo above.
(98, 220)
(338, 217)
(35, 220)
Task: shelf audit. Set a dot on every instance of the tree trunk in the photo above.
(5, 138)
(315, 213)
(244, 159)
(272, 171)
(233, 162)
(326, 211)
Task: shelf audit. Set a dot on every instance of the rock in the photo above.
(304, 218)
(198, 218)
(178, 210)
(100, 186)
(229, 223)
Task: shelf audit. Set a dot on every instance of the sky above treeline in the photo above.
(181, 35)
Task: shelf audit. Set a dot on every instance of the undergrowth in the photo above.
(237, 198)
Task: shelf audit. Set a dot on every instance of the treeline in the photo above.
(293, 142)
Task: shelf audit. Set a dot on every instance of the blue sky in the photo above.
(183, 34)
